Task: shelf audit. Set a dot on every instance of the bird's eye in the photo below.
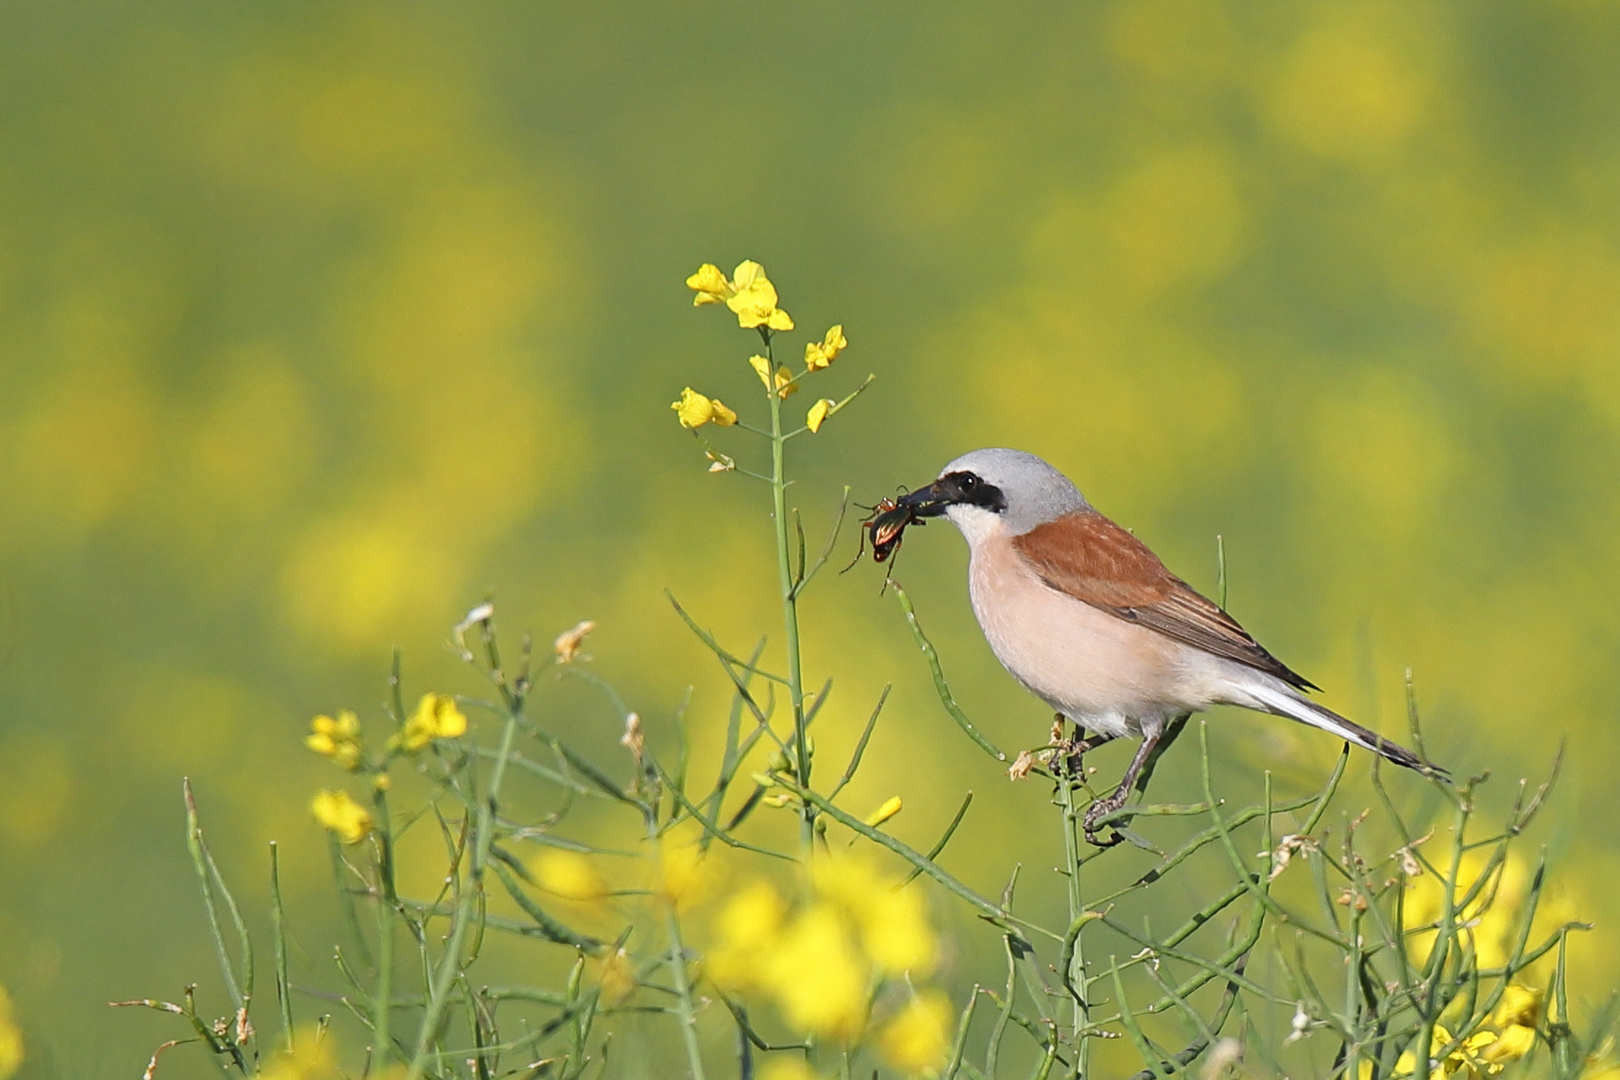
(969, 482)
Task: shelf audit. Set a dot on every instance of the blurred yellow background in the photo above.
(318, 323)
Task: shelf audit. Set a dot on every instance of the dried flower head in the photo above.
(633, 738)
(568, 643)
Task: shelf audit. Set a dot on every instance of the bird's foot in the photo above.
(1099, 809)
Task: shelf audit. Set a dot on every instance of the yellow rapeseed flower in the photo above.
(694, 410)
(1468, 1061)
(685, 876)
(436, 717)
(818, 976)
(1515, 1018)
(1491, 920)
(1406, 1064)
(784, 382)
(710, 284)
(1465, 1061)
(310, 1060)
(818, 414)
(338, 811)
(893, 925)
(819, 354)
(337, 739)
(1510, 1044)
(746, 927)
(753, 299)
(916, 1040)
(11, 1040)
(762, 368)
(1520, 1006)
(570, 875)
(896, 933)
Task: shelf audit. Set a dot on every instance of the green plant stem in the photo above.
(211, 879)
(941, 687)
(450, 963)
(278, 930)
(386, 906)
(790, 600)
(1077, 910)
(683, 991)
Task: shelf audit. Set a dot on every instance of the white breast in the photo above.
(1101, 671)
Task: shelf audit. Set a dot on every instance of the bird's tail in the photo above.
(1285, 702)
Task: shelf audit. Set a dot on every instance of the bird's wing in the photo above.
(1095, 561)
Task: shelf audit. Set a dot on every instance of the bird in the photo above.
(1087, 618)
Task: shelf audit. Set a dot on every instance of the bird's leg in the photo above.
(1102, 807)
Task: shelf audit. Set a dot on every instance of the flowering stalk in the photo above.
(790, 598)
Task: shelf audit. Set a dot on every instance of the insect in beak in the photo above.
(885, 526)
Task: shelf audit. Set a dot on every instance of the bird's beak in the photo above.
(925, 502)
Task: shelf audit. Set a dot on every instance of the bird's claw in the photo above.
(1098, 810)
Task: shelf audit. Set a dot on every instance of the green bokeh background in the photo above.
(320, 322)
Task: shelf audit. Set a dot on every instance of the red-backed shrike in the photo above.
(1091, 622)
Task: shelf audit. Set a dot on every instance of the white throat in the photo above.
(977, 523)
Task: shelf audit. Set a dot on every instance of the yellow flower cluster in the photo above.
(917, 1038)
(749, 294)
(820, 354)
(1491, 920)
(337, 739)
(752, 297)
(694, 410)
(1486, 1052)
(436, 717)
(338, 811)
(821, 961)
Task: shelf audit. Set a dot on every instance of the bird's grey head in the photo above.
(987, 489)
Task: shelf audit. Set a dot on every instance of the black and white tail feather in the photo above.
(1295, 706)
